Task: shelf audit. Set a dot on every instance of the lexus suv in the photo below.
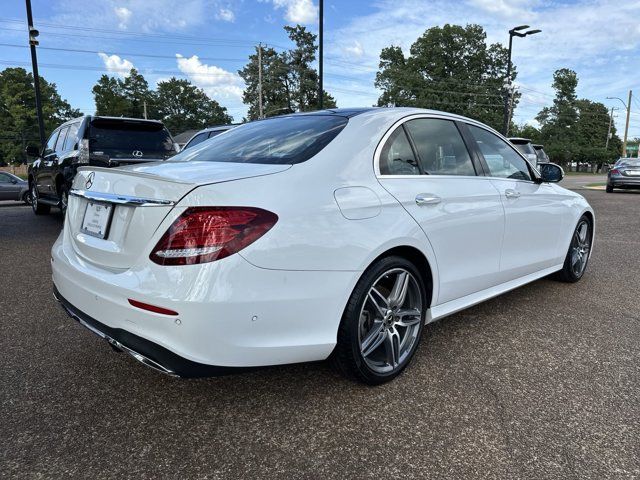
(94, 141)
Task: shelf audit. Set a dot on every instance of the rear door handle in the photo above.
(427, 199)
(511, 193)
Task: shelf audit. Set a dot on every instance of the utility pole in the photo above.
(33, 34)
(606, 145)
(626, 127)
(260, 113)
(144, 105)
(320, 53)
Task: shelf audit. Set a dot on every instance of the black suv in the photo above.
(96, 141)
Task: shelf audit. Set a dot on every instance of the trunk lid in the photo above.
(138, 198)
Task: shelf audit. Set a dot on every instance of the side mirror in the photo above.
(551, 172)
(14, 181)
(32, 151)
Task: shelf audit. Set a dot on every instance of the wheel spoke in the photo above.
(409, 317)
(582, 232)
(373, 340)
(392, 347)
(379, 301)
(399, 292)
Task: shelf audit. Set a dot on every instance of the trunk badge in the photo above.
(137, 153)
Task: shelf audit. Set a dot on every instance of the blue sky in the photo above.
(207, 41)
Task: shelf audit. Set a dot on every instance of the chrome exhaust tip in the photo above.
(116, 345)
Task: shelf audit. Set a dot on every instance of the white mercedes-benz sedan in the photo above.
(333, 234)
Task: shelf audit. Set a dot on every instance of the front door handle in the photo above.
(511, 193)
(427, 199)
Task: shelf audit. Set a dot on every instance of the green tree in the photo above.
(289, 83)
(109, 97)
(449, 68)
(18, 119)
(575, 130)
(183, 106)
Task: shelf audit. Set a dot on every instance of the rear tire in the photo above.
(63, 199)
(38, 208)
(575, 263)
(382, 322)
(609, 188)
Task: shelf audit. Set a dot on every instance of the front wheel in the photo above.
(575, 262)
(26, 198)
(38, 208)
(382, 323)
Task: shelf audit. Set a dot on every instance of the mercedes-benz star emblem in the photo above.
(89, 182)
(137, 153)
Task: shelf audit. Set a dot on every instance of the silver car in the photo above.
(624, 174)
(14, 188)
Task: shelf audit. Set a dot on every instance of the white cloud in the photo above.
(355, 49)
(216, 81)
(124, 15)
(298, 11)
(226, 15)
(115, 64)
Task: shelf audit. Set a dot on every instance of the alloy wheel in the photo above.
(580, 248)
(34, 198)
(390, 320)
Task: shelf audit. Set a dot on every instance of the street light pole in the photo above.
(320, 52)
(514, 32)
(33, 33)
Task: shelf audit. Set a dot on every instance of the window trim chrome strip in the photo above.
(121, 199)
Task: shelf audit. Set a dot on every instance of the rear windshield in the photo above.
(628, 163)
(121, 138)
(280, 140)
(525, 148)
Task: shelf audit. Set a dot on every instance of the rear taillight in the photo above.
(83, 152)
(615, 171)
(206, 234)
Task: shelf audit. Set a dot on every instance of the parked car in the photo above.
(624, 174)
(13, 187)
(541, 155)
(205, 134)
(92, 140)
(332, 234)
(525, 147)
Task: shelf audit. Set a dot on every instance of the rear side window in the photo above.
(121, 138)
(72, 137)
(397, 156)
(280, 140)
(502, 160)
(440, 147)
(201, 137)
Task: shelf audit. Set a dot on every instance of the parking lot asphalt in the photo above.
(543, 382)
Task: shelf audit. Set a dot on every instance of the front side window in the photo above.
(440, 147)
(397, 156)
(278, 140)
(51, 143)
(502, 160)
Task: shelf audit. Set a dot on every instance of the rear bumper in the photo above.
(232, 315)
(624, 182)
(143, 350)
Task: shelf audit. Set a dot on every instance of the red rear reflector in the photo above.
(206, 234)
(152, 308)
